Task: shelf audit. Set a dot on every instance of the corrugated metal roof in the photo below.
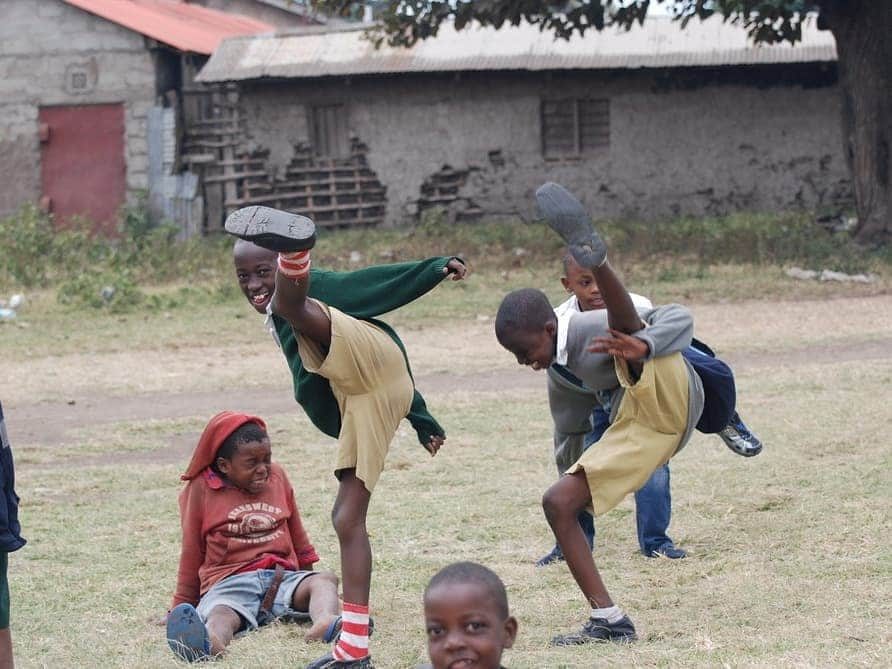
(660, 42)
(183, 26)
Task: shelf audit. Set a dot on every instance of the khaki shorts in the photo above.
(370, 380)
(649, 425)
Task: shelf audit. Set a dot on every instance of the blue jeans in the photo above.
(653, 502)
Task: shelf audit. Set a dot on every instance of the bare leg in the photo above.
(348, 517)
(222, 624)
(319, 596)
(290, 302)
(562, 502)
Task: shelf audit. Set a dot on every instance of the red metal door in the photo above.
(82, 166)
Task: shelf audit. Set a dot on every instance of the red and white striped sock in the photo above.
(295, 266)
(353, 643)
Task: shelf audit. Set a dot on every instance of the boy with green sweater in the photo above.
(350, 372)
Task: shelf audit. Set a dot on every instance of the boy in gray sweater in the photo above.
(630, 357)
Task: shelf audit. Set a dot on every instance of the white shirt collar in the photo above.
(566, 310)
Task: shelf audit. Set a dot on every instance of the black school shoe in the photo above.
(598, 630)
(567, 217)
(272, 229)
(328, 662)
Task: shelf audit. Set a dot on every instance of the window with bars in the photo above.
(328, 131)
(572, 127)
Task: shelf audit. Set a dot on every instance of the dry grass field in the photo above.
(789, 558)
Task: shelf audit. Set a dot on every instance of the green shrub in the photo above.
(82, 264)
(116, 292)
(760, 239)
(26, 239)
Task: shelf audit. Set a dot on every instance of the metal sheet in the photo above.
(83, 171)
(660, 42)
(186, 27)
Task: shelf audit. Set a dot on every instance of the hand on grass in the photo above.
(455, 269)
(434, 443)
(159, 620)
(620, 345)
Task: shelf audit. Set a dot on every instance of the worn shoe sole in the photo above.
(186, 634)
(579, 639)
(272, 229)
(565, 215)
(328, 662)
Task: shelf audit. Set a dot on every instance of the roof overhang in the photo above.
(183, 26)
(659, 43)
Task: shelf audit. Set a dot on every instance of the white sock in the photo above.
(611, 614)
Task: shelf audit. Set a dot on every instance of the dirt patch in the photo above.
(50, 423)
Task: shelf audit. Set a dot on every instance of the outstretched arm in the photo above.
(372, 291)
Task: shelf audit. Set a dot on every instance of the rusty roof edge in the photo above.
(343, 53)
(210, 26)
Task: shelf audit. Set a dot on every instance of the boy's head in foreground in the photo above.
(581, 282)
(255, 268)
(244, 458)
(527, 327)
(467, 619)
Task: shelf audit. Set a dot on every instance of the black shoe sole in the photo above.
(272, 229)
(558, 642)
(566, 216)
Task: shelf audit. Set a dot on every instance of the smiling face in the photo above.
(465, 628)
(581, 282)
(255, 268)
(249, 466)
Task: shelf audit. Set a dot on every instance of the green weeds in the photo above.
(131, 271)
(93, 271)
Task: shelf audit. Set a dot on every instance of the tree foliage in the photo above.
(861, 29)
(404, 22)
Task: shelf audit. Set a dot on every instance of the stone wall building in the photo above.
(655, 123)
(79, 78)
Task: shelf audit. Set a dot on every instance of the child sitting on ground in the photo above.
(351, 375)
(466, 617)
(653, 501)
(633, 360)
(246, 559)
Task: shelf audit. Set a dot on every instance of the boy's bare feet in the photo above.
(272, 229)
(324, 629)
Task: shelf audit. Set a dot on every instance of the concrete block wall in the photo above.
(708, 149)
(40, 41)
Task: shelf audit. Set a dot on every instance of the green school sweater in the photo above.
(363, 294)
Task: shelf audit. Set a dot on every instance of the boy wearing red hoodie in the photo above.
(246, 558)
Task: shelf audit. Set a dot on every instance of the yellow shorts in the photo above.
(370, 380)
(649, 425)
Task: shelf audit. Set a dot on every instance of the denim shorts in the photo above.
(243, 593)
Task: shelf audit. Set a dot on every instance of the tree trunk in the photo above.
(862, 30)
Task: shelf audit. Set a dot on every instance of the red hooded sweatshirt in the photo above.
(227, 530)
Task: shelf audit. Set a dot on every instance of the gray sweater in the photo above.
(669, 330)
